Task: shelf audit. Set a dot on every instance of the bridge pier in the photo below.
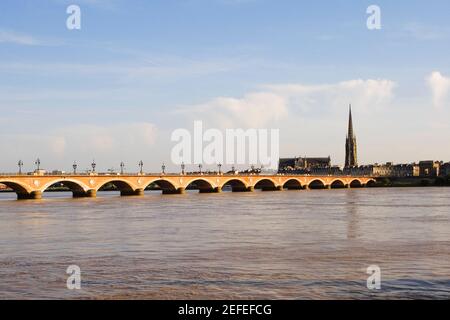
(176, 191)
(33, 195)
(328, 186)
(137, 192)
(214, 190)
(306, 187)
(348, 186)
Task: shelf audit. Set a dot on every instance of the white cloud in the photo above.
(278, 102)
(254, 110)
(440, 88)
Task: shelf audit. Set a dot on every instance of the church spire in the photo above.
(350, 122)
(351, 159)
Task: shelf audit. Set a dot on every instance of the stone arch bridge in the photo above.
(32, 186)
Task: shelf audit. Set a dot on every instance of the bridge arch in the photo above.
(292, 184)
(161, 184)
(21, 190)
(371, 183)
(77, 187)
(337, 184)
(317, 184)
(123, 186)
(356, 183)
(200, 184)
(265, 184)
(236, 184)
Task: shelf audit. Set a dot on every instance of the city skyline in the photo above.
(97, 93)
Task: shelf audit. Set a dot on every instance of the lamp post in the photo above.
(20, 164)
(38, 164)
(93, 165)
(220, 168)
(233, 169)
(183, 166)
(200, 166)
(163, 168)
(253, 168)
(74, 166)
(122, 165)
(141, 166)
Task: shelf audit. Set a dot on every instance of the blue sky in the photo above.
(137, 70)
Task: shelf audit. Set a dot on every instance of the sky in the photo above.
(117, 88)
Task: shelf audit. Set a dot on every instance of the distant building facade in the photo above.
(429, 168)
(304, 165)
(445, 169)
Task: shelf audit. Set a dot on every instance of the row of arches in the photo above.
(233, 184)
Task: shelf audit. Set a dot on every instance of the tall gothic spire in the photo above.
(351, 159)
(350, 122)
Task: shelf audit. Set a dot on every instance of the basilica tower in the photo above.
(351, 158)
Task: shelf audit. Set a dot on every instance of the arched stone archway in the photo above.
(21, 191)
(77, 189)
(292, 184)
(266, 185)
(165, 186)
(119, 185)
(202, 185)
(337, 184)
(371, 184)
(236, 185)
(316, 184)
(356, 184)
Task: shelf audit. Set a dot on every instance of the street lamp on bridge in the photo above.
(200, 166)
(93, 165)
(74, 166)
(163, 167)
(122, 165)
(183, 166)
(20, 164)
(220, 168)
(141, 166)
(38, 164)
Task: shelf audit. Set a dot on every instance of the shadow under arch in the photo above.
(235, 184)
(316, 184)
(64, 185)
(118, 185)
(371, 184)
(292, 184)
(21, 191)
(202, 185)
(165, 186)
(265, 185)
(337, 184)
(356, 184)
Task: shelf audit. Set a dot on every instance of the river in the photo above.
(313, 244)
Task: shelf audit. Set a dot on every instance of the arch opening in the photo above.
(163, 185)
(118, 185)
(21, 192)
(234, 185)
(316, 184)
(292, 184)
(202, 185)
(356, 184)
(371, 184)
(265, 185)
(337, 184)
(66, 186)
